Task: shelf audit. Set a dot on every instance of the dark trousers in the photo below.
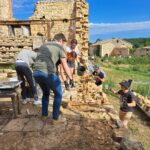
(24, 73)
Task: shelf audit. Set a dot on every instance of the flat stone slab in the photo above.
(3, 122)
(34, 124)
(119, 134)
(16, 125)
(128, 144)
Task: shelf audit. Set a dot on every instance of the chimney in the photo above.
(5, 9)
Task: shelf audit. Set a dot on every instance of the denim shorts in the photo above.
(71, 64)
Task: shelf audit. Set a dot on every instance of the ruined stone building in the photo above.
(111, 47)
(143, 51)
(50, 17)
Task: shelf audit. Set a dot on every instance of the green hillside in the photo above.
(139, 42)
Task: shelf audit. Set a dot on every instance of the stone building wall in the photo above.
(3, 31)
(120, 52)
(106, 49)
(9, 47)
(50, 17)
(5, 9)
(67, 16)
(141, 52)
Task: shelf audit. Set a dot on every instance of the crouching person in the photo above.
(99, 76)
(99, 79)
(50, 55)
(127, 102)
(24, 59)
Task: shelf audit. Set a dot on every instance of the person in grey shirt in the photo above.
(24, 59)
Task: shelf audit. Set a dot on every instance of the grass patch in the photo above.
(118, 69)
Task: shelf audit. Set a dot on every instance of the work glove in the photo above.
(66, 85)
(72, 83)
(78, 63)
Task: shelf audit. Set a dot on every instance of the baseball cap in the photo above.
(125, 84)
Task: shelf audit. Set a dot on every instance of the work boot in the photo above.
(60, 120)
(66, 85)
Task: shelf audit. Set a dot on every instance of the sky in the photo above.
(107, 18)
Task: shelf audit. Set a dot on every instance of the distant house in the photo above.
(144, 51)
(112, 47)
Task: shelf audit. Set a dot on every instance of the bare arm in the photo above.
(102, 79)
(66, 68)
(132, 104)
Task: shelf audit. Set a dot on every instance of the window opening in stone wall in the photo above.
(10, 31)
(19, 30)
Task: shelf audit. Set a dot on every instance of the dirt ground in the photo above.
(139, 126)
(30, 132)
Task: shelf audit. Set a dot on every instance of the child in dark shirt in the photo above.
(127, 102)
(99, 75)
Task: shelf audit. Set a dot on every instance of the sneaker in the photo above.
(25, 101)
(37, 102)
(59, 121)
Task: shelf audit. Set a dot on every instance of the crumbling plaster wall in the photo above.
(5, 10)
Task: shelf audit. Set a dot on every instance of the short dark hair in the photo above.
(60, 36)
(74, 41)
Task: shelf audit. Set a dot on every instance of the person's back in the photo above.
(24, 59)
(48, 57)
(28, 56)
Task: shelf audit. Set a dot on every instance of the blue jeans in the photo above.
(49, 82)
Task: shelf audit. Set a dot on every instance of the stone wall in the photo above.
(9, 47)
(67, 16)
(5, 10)
(120, 52)
(142, 52)
(3, 30)
(106, 49)
(50, 17)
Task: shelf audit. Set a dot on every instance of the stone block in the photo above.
(119, 134)
(129, 144)
(34, 124)
(15, 125)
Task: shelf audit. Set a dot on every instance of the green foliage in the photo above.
(129, 60)
(139, 42)
(108, 85)
(120, 68)
(143, 90)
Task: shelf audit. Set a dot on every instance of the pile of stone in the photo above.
(143, 103)
(91, 102)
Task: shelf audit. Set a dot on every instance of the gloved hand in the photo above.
(66, 85)
(72, 83)
(78, 63)
(98, 82)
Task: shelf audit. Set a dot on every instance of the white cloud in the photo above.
(20, 4)
(105, 28)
